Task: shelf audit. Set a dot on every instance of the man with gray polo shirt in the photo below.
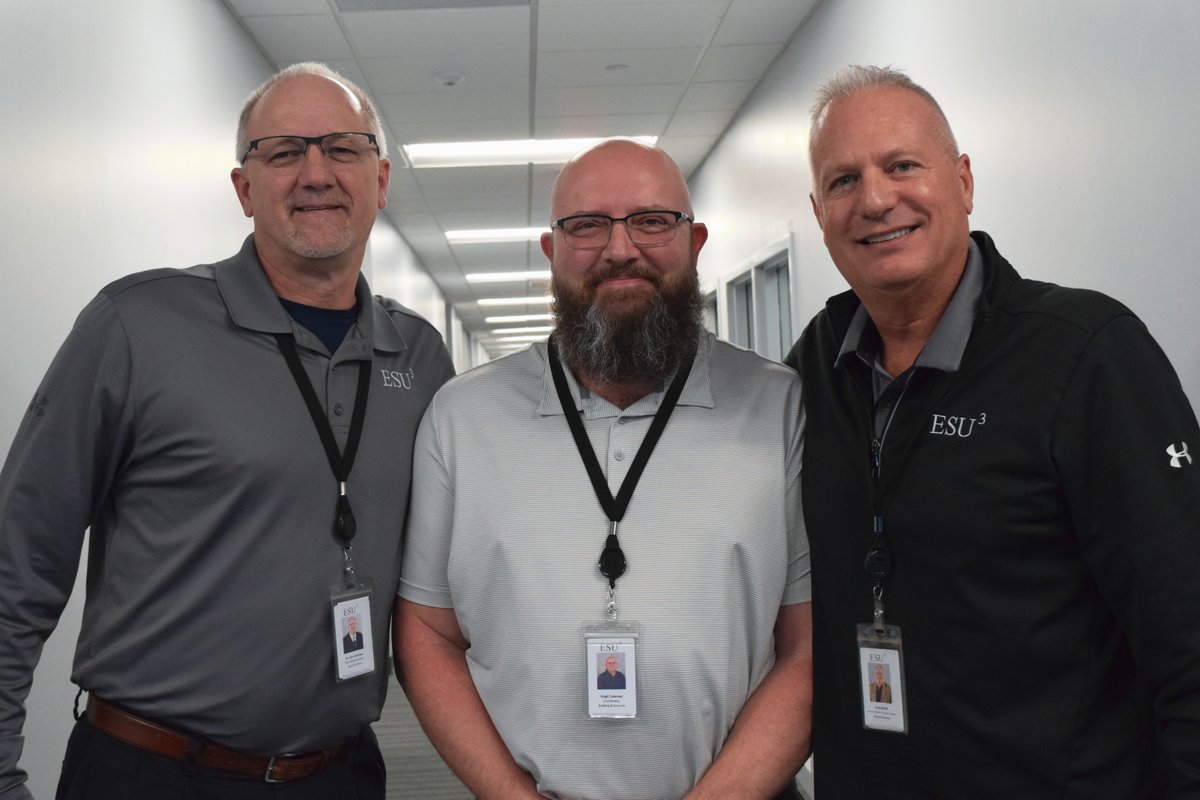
(233, 438)
(523, 573)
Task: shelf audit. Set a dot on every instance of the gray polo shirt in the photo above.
(169, 421)
(506, 529)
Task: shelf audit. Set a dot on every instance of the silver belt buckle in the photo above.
(267, 775)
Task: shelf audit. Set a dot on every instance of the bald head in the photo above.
(642, 175)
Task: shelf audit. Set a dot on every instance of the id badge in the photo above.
(881, 668)
(353, 643)
(610, 669)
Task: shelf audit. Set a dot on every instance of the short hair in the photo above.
(856, 78)
(374, 123)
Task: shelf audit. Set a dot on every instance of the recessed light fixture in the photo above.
(449, 77)
(512, 152)
(514, 301)
(503, 277)
(494, 235)
(518, 318)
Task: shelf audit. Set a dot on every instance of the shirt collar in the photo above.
(945, 347)
(253, 304)
(697, 390)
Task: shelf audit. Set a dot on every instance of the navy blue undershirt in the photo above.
(330, 325)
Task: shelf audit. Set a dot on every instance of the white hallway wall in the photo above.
(117, 143)
(1081, 118)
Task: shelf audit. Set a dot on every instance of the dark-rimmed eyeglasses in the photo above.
(344, 147)
(645, 228)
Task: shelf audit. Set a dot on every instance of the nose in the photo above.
(314, 167)
(878, 195)
(620, 248)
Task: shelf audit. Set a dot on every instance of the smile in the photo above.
(887, 237)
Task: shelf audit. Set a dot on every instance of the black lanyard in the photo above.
(344, 526)
(612, 560)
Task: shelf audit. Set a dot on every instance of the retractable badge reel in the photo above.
(881, 651)
(610, 646)
(350, 600)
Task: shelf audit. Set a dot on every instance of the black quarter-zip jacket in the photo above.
(1046, 541)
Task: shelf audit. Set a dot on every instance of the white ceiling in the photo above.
(533, 69)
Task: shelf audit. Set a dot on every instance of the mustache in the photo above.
(601, 274)
(310, 198)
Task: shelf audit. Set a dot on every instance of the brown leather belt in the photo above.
(147, 735)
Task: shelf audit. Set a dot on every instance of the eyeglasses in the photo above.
(346, 147)
(646, 228)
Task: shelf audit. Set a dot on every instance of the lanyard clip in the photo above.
(878, 593)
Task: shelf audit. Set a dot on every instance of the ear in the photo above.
(968, 181)
(547, 242)
(812, 198)
(385, 176)
(699, 237)
(241, 185)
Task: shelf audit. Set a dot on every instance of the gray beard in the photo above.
(630, 350)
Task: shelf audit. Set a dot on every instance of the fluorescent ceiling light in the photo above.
(514, 301)
(493, 235)
(514, 152)
(529, 329)
(518, 318)
(502, 277)
(526, 339)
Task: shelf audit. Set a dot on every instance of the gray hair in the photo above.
(856, 78)
(374, 123)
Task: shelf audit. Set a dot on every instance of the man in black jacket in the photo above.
(999, 493)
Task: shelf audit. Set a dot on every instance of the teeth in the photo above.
(887, 237)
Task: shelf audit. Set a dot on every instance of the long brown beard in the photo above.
(642, 347)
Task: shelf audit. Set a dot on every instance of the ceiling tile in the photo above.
(762, 21)
(699, 123)
(307, 37)
(253, 8)
(480, 72)
(723, 96)
(607, 125)
(589, 67)
(615, 25)
(481, 130)
(736, 62)
(599, 100)
(396, 5)
(449, 32)
(454, 106)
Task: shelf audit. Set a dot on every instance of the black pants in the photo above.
(790, 793)
(99, 767)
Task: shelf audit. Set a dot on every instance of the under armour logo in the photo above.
(1178, 456)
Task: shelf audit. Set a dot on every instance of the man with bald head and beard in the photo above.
(658, 516)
